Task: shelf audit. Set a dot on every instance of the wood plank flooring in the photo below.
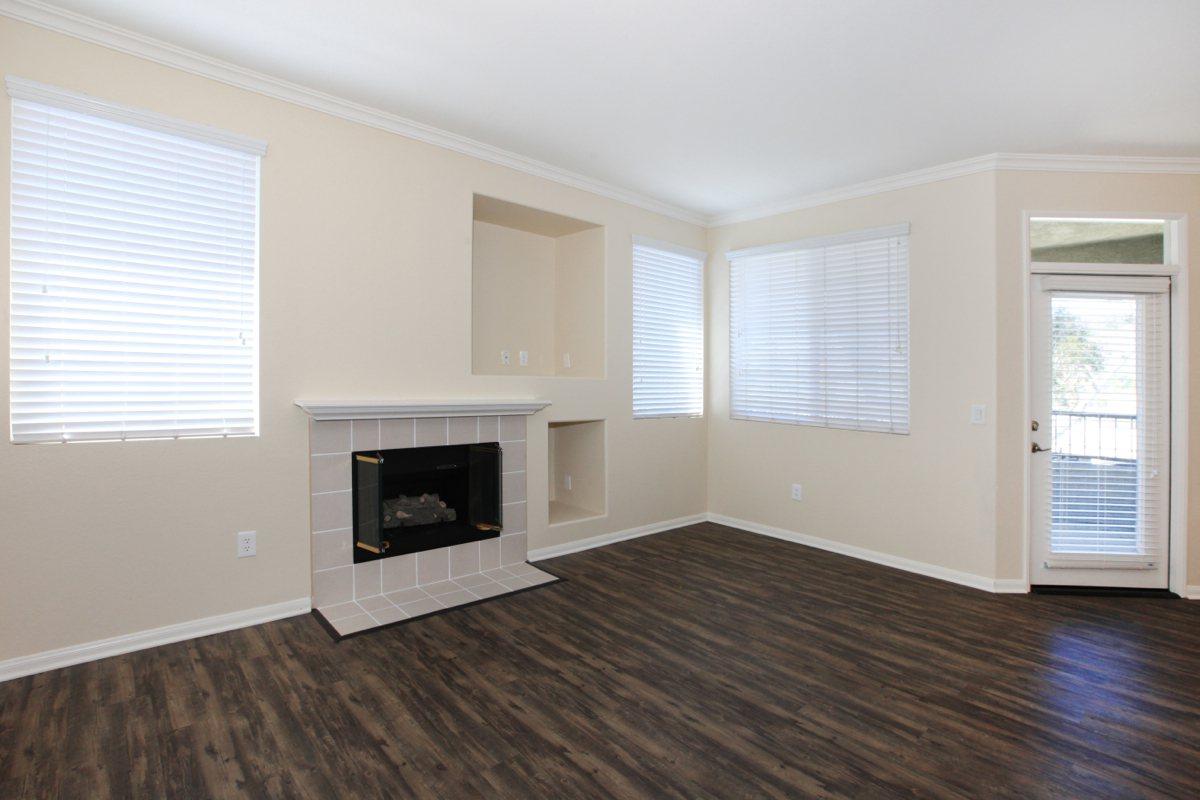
(704, 662)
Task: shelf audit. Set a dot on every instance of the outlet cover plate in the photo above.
(247, 544)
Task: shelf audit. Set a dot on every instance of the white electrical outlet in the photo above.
(567, 481)
(566, 360)
(506, 358)
(524, 356)
(247, 544)
(978, 414)
(797, 492)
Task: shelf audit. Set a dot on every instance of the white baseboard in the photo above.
(999, 586)
(127, 643)
(553, 551)
(876, 557)
(1192, 593)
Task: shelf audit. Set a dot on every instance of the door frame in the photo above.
(1176, 269)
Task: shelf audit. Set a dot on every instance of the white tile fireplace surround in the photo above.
(356, 597)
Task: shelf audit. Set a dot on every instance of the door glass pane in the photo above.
(1103, 391)
(1097, 241)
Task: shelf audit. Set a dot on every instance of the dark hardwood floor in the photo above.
(704, 662)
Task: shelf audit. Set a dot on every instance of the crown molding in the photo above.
(1041, 162)
(135, 44)
(970, 166)
(941, 172)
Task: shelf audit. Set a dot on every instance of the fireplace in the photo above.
(435, 562)
(421, 498)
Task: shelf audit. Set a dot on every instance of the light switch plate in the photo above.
(978, 414)
(524, 356)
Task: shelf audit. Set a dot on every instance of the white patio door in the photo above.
(1099, 466)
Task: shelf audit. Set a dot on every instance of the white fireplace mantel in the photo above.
(322, 410)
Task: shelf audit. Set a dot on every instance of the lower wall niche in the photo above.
(577, 454)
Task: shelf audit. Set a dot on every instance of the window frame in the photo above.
(701, 258)
(900, 230)
(20, 89)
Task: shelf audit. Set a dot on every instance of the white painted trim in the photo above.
(554, 551)
(874, 556)
(1135, 284)
(136, 44)
(1180, 414)
(1191, 593)
(21, 89)
(969, 166)
(1066, 268)
(941, 172)
(1045, 162)
(999, 586)
(127, 643)
(323, 410)
(813, 242)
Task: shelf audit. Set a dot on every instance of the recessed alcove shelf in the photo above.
(577, 470)
(537, 287)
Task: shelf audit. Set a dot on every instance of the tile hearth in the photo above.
(430, 598)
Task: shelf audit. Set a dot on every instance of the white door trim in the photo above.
(1177, 268)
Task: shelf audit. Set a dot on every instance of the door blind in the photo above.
(134, 292)
(668, 331)
(819, 332)
(1109, 390)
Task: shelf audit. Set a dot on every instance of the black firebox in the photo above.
(419, 498)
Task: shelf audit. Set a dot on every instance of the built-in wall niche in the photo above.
(537, 292)
(577, 469)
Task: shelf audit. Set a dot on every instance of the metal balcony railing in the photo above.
(1094, 473)
(1086, 434)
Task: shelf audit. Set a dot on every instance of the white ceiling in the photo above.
(718, 106)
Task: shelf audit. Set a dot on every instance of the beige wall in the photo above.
(103, 539)
(930, 495)
(579, 303)
(512, 293)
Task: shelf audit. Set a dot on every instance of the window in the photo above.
(1098, 241)
(134, 273)
(819, 331)
(668, 330)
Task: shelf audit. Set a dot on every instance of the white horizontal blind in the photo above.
(668, 332)
(1109, 391)
(819, 332)
(134, 291)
